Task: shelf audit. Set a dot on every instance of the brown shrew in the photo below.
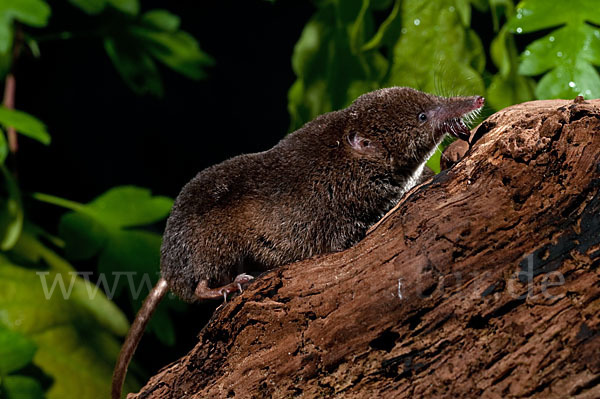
(317, 191)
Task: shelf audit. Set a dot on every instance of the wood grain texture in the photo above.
(483, 282)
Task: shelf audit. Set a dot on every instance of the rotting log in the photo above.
(483, 282)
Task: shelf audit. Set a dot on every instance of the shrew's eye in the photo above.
(422, 117)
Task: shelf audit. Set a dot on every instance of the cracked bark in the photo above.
(483, 282)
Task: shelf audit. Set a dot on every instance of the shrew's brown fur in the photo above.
(317, 191)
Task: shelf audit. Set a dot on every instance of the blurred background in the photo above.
(111, 106)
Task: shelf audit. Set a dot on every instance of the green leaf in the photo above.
(566, 56)
(21, 387)
(331, 62)
(507, 87)
(136, 68)
(358, 27)
(83, 292)
(476, 51)
(561, 47)
(29, 12)
(500, 53)
(90, 6)
(127, 6)
(508, 90)
(25, 124)
(307, 50)
(97, 6)
(128, 258)
(124, 206)
(11, 211)
(567, 81)
(134, 46)
(483, 5)
(178, 50)
(433, 162)
(464, 10)
(534, 15)
(437, 52)
(136, 253)
(3, 147)
(30, 250)
(128, 206)
(83, 235)
(16, 351)
(5, 63)
(34, 47)
(75, 350)
(161, 20)
(380, 4)
(389, 29)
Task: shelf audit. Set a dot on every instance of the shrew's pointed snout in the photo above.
(469, 104)
(456, 111)
(478, 102)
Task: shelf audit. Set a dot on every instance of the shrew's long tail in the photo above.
(135, 334)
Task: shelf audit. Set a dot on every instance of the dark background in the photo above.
(104, 135)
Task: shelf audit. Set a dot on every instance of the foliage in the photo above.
(25, 124)
(96, 6)
(567, 56)
(29, 12)
(430, 45)
(107, 228)
(156, 36)
(72, 323)
(11, 212)
(59, 322)
(16, 352)
(451, 53)
(507, 87)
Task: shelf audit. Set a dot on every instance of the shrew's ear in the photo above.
(361, 144)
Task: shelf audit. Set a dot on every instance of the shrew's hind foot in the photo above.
(203, 291)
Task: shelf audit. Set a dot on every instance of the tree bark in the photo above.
(482, 282)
